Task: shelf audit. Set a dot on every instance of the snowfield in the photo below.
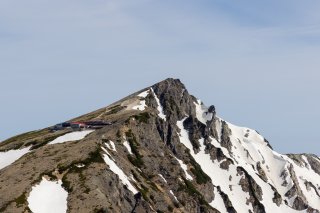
(218, 202)
(48, 197)
(185, 169)
(72, 136)
(159, 108)
(142, 104)
(128, 147)
(144, 94)
(7, 158)
(248, 148)
(202, 112)
(111, 146)
(118, 171)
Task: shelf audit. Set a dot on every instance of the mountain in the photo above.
(157, 150)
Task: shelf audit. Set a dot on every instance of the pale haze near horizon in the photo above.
(257, 62)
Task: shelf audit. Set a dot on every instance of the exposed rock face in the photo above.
(314, 162)
(225, 139)
(164, 152)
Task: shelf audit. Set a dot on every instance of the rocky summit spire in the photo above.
(157, 150)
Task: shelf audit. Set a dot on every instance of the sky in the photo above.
(256, 61)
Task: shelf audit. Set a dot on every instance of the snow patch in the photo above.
(7, 158)
(163, 178)
(111, 146)
(72, 136)
(118, 171)
(48, 197)
(142, 104)
(144, 94)
(218, 202)
(171, 192)
(80, 165)
(185, 169)
(127, 145)
(159, 108)
(202, 112)
(132, 178)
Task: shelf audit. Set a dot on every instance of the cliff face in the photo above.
(164, 151)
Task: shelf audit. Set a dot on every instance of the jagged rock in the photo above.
(225, 139)
(225, 164)
(312, 210)
(227, 202)
(277, 199)
(261, 172)
(249, 185)
(299, 204)
(314, 162)
(212, 109)
(284, 174)
(296, 189)
(196, 131)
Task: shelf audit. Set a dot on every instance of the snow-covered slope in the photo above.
(6, 158)
(72, 136)
(252, 153)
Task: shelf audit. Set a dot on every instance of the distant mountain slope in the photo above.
(158, 150)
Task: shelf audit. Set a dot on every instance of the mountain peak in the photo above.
(157, 150)
(170, 83)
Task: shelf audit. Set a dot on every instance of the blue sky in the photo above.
(257, 62)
